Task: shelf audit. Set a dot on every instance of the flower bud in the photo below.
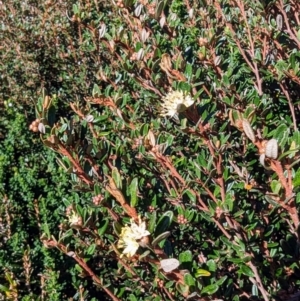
(272, 149)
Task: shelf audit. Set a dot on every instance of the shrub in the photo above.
(182, 144)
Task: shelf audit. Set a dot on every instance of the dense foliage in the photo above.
(134, 132)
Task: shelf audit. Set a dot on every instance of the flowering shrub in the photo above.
(181, 143)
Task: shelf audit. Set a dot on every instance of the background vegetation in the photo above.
(84, 149)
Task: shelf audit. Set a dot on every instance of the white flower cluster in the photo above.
(130, 236)
(175, 102)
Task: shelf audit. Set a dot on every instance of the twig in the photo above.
(287, 24)
(292, 108)
(82, 263)
(257, 281)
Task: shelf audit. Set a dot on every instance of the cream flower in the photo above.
(175, 102)
(75, 219)
(127, 242)
(139, 231)
(130, 236)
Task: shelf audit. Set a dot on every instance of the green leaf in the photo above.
(298, 35)
(145, 254)
(202, 273)
(210, 289)
(152, 222)
(190, 195)
(159, 8)
(160, 237)
(164, 222)
(91, 249)
(296, 179)
(188, 71)
(96, 91)
(254, 290)
(117, 177)
(51, 116)
(280, 132)
(212, 266)
(222, 280)
(186, 256)
(103, 226)
(246, 271)
(78, 268)
(132, 297)
(4, 288)
(46, 230)
(97, 189)
(189, 280)
(117, 228)
(275, 186)
(133, 188)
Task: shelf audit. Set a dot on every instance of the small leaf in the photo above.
(144, 35)
(42, 128)
(71, 253)
(133, 192)
(138, 10)
(103, 227)
(160, 237)
(202, 273)
(152, 222)
(272, 149)
(89, 118)
(246, 271)
(117, 177)
(222, 280)
(97, 189)
(186, 256)
(51, 116)
(189, 280)
(159, 8)
(212, 266)
(296, 179)
(102, 30)
(146, 253)
(117, 228)
(140, 54)
(164, 222)
(254, 290)
(167, 247)
(162, 21)
(91, 249)
(4, 288)
(210, 289)
(279, 22)
(96, 91)
(280, 132)
(183, 289)
(275, 186)
(170, 264)
(132, 297)
(217, 60)
(248, 130)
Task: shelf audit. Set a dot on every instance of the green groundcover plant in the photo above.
(176, 124)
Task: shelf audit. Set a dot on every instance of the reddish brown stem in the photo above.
(84, 266)
(79, 171)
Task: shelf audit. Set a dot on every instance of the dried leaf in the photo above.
(170, 264)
